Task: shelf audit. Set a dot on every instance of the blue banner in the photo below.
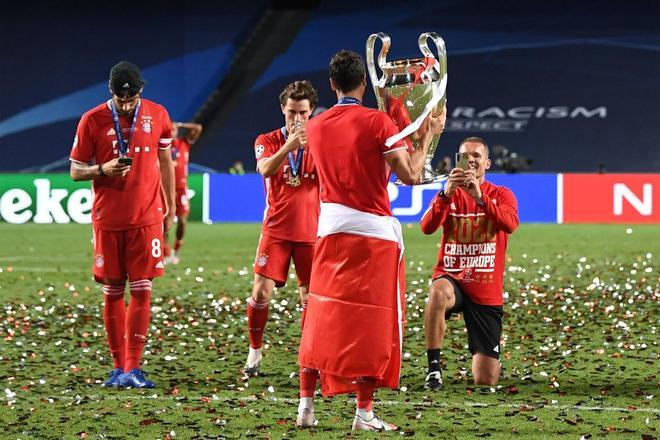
(241, 198)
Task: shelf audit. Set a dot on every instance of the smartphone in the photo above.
(182, 133)
(126, 160)
(462, 161)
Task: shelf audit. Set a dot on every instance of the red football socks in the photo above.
(365, 393)
(257, 317)
(114, 317)
(308, 378)
(137, 322)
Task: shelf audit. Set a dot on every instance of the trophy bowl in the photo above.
(409, 90)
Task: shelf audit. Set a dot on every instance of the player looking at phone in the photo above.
(123, 146)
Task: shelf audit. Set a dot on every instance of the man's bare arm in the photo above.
(81, 171)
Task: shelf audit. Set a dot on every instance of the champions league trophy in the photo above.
(410, 90)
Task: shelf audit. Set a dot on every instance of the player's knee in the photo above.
(261, 293)
(440, 296)
(487, 378)
(486, 374)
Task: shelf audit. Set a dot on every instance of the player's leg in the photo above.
(485, 369)
(365, 418)
(302, 260)
(182, 212)
(143, 254)
(484, 326)
(257, 314)
(109, 271)
(444, 298)
(166, 248)
(271, 268)
(302, 255)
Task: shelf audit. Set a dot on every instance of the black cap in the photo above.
(125, 79)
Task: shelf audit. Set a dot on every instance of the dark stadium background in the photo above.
(224, 64)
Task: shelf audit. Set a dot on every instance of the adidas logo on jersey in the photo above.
(111, 132)
(160, 265)
(496, 349)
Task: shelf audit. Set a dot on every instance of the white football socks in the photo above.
(364, 414)
(306, 403)
(254, 356)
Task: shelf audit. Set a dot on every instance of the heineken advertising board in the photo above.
(55, 198)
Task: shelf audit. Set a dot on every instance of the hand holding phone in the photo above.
(125, 160)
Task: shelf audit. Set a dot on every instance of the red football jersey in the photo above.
(180, 155)
(348, 146)
(292, 212)
(474, 239)
(134, 201)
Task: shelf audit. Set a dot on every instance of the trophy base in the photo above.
(429, 175)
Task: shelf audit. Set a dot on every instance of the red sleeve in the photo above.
(385, 128)
(435, 215)
(263, 147)
(83, 144)
(504, 213)
(165, 138)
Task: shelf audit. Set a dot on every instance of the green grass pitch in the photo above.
(581, 351)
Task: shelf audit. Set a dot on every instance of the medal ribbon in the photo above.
(294, 163)
(345, 100)
(123, 145)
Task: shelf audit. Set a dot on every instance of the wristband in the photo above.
(101, 173)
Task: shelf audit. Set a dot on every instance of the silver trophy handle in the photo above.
(440, 46)
(371, 67)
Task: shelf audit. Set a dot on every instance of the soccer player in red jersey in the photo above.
(292, 209)
(185, 135)
(477, 218)
(354, 324)
(126, 140)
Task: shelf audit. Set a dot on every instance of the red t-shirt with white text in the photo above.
(474, 239)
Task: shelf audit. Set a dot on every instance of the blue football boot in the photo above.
(113, 378)
(135, 379)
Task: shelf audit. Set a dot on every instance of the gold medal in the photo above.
(294, 181)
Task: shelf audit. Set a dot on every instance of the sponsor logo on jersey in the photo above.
(99, 261)
(259, 150)
(262, 259)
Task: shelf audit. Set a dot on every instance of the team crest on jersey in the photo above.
(259, 150)
(262, 259)
(146, 126)
(99, 261)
